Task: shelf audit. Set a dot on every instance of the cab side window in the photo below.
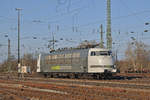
(93, 53)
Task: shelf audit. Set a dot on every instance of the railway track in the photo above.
(107, 83)
(83, 92)
(90, 83)
(76, 89)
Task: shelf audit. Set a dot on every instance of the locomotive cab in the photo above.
(100, 61)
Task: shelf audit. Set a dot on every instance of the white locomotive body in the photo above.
(94, 62)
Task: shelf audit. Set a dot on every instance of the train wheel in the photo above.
(45, 75)
(76, 76)
(72, 76)
(109, 76)
(51, 76)
(97, 76)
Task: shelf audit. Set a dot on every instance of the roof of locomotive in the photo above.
(62, 51)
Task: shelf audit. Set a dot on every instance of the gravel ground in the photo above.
(137, 88)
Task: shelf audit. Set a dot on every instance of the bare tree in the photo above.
(29, 60)
(137, 56)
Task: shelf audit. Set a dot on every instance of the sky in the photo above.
(71, 22)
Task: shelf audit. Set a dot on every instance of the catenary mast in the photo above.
(108, 34)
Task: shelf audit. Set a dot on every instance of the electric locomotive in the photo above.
(75, 63)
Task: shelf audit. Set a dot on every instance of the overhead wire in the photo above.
(97, 22)
(127, 7)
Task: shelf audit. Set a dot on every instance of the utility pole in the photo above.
(19, 65)
(53, 41)
(109, 38)
(8, 50)
(101, 40)
(9, 53)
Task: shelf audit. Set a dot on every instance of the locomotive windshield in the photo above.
(100, 53)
